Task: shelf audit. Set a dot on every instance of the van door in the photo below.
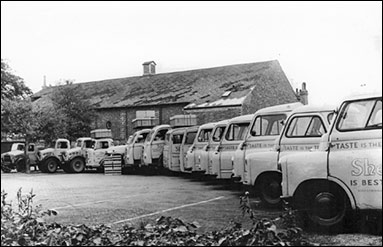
(187, 143)
(201, 155)
(235, 133)
(355, 153)
(175, 151)
(213, 152)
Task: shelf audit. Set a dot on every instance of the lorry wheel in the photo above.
(51, 165)
(42, 167)
(6, 169)
(20, 166)
(327, 207)
(77, 165)
(270, 190)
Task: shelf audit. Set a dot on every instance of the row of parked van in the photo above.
(326, 160)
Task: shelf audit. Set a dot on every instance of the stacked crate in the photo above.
(183, 120)
(112, 164)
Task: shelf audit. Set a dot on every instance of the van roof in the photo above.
(279, 108)
(161, 126)
(364, 95)
(314, 108)
(242, 118)
(143, 131)
(207, 125)
(192, 128)
(222, 122)
(177, 130)
(62, 140)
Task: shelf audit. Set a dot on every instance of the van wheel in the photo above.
(326, 206)
(51, 165)
(77, 165)
(270, 190)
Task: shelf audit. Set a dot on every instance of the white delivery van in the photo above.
(213, 154)
(302, 133)
(234, 134)
(265, 127)
(187, 142)
(345, 175)
(154, 146)
(172, 149)
(197, 156)
(134, 149)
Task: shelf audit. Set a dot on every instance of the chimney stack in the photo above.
(302, 95)
(149, 68)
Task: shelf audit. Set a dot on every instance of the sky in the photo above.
(335, 47)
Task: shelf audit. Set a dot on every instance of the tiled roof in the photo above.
(194, 87)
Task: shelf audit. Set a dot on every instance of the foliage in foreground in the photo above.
(26, 226)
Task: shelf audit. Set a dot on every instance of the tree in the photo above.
(74, 112)
(12, 86)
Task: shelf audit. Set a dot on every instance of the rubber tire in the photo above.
(51, 165)
(6, 169)
(314, 203)
(77, 165)
(20, 166)
(270, 190)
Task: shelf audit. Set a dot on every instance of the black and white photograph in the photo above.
(191, 123)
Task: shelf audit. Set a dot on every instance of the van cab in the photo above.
(154, 145)
(302, 133)
(134, 148)
(197, 156)
(345, 175)
(187, 142)
(265, 127)
(234, 134)
(172, 149)
(213, 154)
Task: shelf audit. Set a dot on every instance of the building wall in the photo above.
(121, 118)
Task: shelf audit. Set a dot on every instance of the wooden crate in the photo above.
(145, 122)
(112, 165)
(101, 133)
(183, 120)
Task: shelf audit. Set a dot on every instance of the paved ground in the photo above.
(95, 198)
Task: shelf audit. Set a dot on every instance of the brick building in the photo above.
(212, 94)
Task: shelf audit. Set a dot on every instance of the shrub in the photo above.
(26, 226)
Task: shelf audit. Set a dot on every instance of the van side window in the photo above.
(177, 139)
(360, 115)
(88, 143)
(190, 136)
(161, 135)
(104, 145)
(218, 133)
(31, 148)
(20, 147)
(305, 127)
(268, 125)
(236, 131)
(204, 135)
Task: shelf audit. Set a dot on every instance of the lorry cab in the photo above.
(50, 159)
(265, 127)
(75, 158)
(345, 175)
(95, 155)
(213, 154)
(234, 134)
(135, 148)
(154, 145)
(15, 158)
(172, 149)
(302, 133)
(197, 156)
